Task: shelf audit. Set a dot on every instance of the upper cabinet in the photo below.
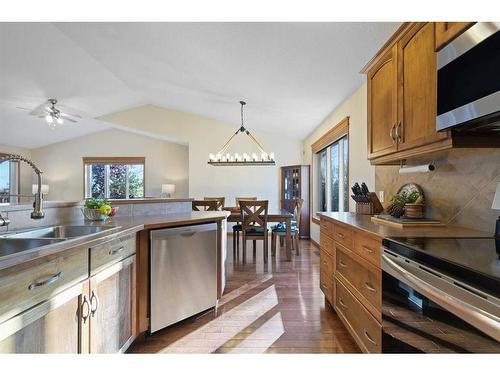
(402, 96)
(417, 89)
(447, 31)
(382, 105)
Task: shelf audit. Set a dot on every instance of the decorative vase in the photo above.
(414, 210)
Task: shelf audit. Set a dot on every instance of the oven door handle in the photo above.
(447, 296)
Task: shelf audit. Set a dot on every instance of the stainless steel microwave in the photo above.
(469, 81)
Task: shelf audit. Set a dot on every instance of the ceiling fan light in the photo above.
(59, 120)
(49, 119)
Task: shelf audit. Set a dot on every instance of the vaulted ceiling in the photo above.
(291, 74)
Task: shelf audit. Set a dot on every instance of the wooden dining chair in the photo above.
(220, 201)
(280, 229)
(254, 223)
(237, 226)
(203, 205)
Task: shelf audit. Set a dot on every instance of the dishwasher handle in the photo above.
(447, 296)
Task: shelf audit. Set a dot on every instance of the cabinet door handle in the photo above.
(85, 303)
(93, 298)
(398, 136)
(116, 251)
(50, 280)
(391, 133)
(369, 287)
(342, 303)
(342, 264)
(341, 235)
(367, 249)
(369, 338)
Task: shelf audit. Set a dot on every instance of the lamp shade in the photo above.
(496, 199)
(168, 188)
(45, 189)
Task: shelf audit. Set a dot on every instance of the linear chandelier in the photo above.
(223, 159)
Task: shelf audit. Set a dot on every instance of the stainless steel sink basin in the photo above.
(63, 231)
(16, 245)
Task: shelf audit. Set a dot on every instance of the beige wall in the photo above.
(206, 136)
(360, 169)
(166, 162)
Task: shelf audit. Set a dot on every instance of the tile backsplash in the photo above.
(460, 191)
(61, 212)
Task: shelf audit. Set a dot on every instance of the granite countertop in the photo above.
(364, 223)
(123, 226)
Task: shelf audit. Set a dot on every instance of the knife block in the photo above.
(373, 207)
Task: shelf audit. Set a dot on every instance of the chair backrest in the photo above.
(220, 201)
(238, 199)
(253, 213)
(199, 205)
(297, 210)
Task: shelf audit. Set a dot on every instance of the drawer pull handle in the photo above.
(93, 298)
(50, 280)
(341, 235)
(369, 338)
(85, 303)
(116, 251)
(367, 249)
(342, 303)
(369, 287)
(342, 264)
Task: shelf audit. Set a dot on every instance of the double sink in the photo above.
(34, 238)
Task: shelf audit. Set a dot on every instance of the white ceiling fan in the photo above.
(52, 115)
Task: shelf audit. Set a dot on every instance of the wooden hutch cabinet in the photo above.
(295, 184)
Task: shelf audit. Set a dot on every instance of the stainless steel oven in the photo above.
(469, 81)
(428, 310)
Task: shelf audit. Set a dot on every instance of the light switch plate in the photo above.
(381, 196)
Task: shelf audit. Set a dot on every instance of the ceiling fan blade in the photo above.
(24, 108)
(68, 119)
(64, 114)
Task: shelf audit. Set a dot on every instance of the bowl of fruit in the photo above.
(98, 209)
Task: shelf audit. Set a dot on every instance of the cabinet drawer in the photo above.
(26, 285)
(366, 330)
(108, 253)
(326, 262)
(326, 227)
(363, 277)
(367, 248)
(326, 244)
(326, 285)
(343, 235)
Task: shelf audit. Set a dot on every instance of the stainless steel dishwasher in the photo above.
(183, 273)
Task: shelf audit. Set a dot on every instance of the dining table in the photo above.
(281, 216)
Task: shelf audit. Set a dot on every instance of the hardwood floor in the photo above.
(266, 308)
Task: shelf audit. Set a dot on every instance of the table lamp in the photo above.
(167, 190)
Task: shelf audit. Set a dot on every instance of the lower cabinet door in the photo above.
(52, 326)
(112, 308)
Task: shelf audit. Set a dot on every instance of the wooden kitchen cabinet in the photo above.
(53, 326)
(402, 98)
(382, 105)
(447, 31)
(112, 308)
(417, 89)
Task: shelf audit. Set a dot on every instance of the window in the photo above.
(9, 181)
(114, 178)
(330, 170)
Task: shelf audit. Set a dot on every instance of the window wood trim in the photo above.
(337, 132)
(331, 136)
(114, 160)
